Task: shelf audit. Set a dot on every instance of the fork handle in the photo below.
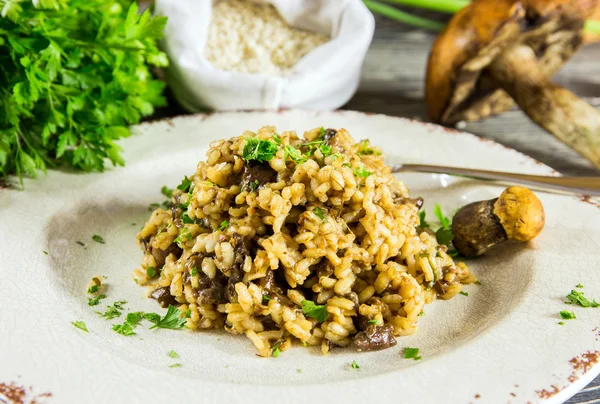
(578, 185)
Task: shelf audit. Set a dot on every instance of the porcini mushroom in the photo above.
(495, 53)
(516, 215)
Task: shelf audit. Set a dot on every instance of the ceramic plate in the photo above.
(500, 344)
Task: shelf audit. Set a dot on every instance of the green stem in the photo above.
(442, 6)
(592, 27)
(395, 14)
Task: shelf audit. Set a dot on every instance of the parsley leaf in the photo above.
(194, 271)
(376, 322)
(166, 191)
(173, 354)
(411, 353)
(294, 154)
(462, 292)
(276, 353)
(81, 325)
(186, 219)
(185, 185)
(75, 74)
(253, 186)
(561, 323)
(176, 365)
(354, 365)
(362, 172)
(224, 225)
(174, 319)
(124, 329)
(185, 234)
(319, 212)
(259, 150)
(567, 315)
(151, 272)
(578, 298)
(315, 311)
(265, 299)
(98, 239)
(95, 301)
(422, 222)
(93, 289)
(579, 286)
(113, 311)
(445, 222)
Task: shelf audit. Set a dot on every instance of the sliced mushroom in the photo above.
(495, 53)
(516, 215)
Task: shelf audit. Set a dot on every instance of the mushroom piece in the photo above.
(495, 53)
(516, 215)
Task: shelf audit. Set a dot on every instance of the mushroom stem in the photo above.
(554, 108)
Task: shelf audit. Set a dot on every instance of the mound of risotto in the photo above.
(283, 239)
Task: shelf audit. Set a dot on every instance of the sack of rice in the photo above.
(241, 54)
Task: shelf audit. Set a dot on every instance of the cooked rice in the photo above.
(366, 259)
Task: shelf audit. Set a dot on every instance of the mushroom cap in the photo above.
(457, 87)
(521, 213)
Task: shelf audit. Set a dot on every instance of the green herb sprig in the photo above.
(73, 75)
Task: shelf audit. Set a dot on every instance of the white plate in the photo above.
(500, 344)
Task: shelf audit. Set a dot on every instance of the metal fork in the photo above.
(577, 185)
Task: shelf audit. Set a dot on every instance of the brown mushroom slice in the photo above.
(516, 215)
(473, 71)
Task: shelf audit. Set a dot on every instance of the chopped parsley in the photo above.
(114, 310)
(224, 225)
(186, 219)
(336, 156)
(444, 234)
(561, 323)
(173, 320)
(362, 172)
(411, 353)
(298, 370)
(579, 286)
(93, 289)
(422, 222)
(151, 272)
(124, 329)
(319, 212)
(354, 365)
(81, 243)
(95, 301)
(276, 353)
(277, 139)
(98, 239)
(185, 185)
(346, 165)
(166, 191)
(315, 311)
(176, 365)
(365, 150)
(578, 298)
(153, 206)
(325, 149)
(421, 314)
(194, 271)
(184, 233)
(45, 252)
(294, 154)
(437, 211)
(253, 186)
(81, 325)
(266, 299)
(376, 322)
(173, 354)
(462, 292)
(567, 315)
(477, 282)
(259, 150)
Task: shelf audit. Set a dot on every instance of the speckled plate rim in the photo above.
(40, 348)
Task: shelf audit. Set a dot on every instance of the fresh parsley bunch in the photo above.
(73, 75)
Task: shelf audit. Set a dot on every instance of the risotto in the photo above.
(285, 239)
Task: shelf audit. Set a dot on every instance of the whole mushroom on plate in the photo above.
(495, 53)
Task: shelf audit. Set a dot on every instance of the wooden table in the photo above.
(392, 84)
